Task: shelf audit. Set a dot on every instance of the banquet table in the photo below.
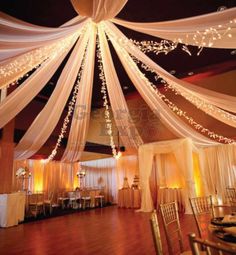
(129, 198)
(12, 209)
(168, 195)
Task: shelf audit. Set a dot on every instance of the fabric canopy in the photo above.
(182, 149)
(43, 49)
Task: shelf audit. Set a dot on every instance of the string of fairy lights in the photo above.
(108, 122)
(71, 106)
(170, 104)
(14, 71)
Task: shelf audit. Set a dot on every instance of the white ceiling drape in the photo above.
(186, 29)
(44, 124)
(18, 38)
(80, 122)
(127, 130)
(171, 121)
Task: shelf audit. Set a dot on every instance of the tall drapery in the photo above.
(81, 116)
(128, 132)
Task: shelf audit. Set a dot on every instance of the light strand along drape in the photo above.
(186, 28)
(47, 119)
(172, 122)
(22, 95)
(81, 115)
(18, 37)
(128, 132)
(15, 68)
(219, 100)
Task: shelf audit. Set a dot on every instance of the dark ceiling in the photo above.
(56, 12)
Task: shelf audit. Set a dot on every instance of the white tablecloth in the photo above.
(12, 209)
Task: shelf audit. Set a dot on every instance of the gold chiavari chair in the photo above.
(156, 233)
(36, 204)
(209, 246)
(170, 217)
(203, 211)
(231, 195)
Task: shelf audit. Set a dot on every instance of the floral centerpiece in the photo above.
(23, 172)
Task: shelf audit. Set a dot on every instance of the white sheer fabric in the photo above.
(43, 125)
(128, 132)
(81, 116)
(101, 173)
(218, 167)
(98, 10)
(191, 91)
(22, 95)
(185, 29)
(174, 123)
(179, 147)
(18, 37)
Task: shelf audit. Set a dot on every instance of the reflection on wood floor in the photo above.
(101, 231)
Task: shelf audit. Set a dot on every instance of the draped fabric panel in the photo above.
(219, 169)
(126, 166)
(98, 10)
(50, 177)
(14, 68)
(128, 132)
(22, 95)
(182, 149)
(17, 37)
(43, 125)
(81, 116)
(101, 173)
(186, 28)
(216, 99)
(172, 122)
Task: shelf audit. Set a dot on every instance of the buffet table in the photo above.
(168, 195)
(12, 209)
(129, 198)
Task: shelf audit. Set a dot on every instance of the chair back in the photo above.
(156, 233)
(209, 246)
(231, 195)
(202, 207)
(170, 217)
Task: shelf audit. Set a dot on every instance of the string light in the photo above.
(11, 73)
(209, 36)
(108, 121)
(171, 105)
(71, 107)
(195, 100)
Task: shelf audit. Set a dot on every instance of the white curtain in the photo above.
(195, 94)
(182, 149)
(45, 122)
(219, 168)
(128, 132)
(22, 95)
(18, 37)
(185, 29)
(172, 122)
(101, 173)
(81, 116)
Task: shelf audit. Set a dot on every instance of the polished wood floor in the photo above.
(101, 231)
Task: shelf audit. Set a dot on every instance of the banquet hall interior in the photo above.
(117, 127)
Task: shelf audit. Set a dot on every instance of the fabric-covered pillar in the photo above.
(145, 169)
(184, 158)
